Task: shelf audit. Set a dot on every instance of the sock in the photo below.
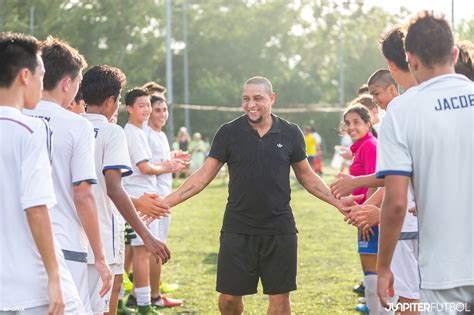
(143, 296)
(371, 298)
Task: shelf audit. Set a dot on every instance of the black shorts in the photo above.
(244, 259)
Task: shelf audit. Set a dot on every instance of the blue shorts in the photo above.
(370, 247)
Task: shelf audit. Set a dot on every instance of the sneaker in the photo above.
(359, 289)
(168, 287)
(123, 310)
(146, 310)
(362, 308)
(131, 301)
(127, 283)
(361, 300)
(163, 301)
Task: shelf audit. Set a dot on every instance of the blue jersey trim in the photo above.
(90, 181)
(128, 170)
(382, 174)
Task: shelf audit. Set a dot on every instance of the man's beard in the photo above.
(256, 121)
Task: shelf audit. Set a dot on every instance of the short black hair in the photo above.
(101, 82)
(133, 94)
(382, 77)
(17, 51)
(430, 38)
(391, 44)
(60, 60)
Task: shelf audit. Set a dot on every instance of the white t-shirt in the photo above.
(160, 151)
(139, 151)
(73, 163)
(110, 153)
(25, 182)
(430, 138)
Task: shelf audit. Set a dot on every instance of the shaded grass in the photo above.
(328, 264)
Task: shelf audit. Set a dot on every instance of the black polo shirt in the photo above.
(259, 171)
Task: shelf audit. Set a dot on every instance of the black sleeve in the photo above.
(219, 148)
(299, 146)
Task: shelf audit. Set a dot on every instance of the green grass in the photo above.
(328, 264)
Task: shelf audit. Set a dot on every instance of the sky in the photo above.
(463, 9)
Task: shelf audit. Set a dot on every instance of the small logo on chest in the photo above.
(279, 145)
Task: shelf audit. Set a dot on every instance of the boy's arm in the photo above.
(40, 227)
(87, 212)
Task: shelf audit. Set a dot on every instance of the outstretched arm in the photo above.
(315, 185)
(195, 183)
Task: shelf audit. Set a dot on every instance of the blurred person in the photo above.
(464, 64)
(318, 159)
(77, 105)
(197, 149)
(310, 143)
(364, 89)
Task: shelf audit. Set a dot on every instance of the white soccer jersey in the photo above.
(160, 151)
(110, 153)
(429, 136)
(139, 151)
(25, 182)
(73, 163)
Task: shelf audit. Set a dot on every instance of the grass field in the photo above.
(328, 264)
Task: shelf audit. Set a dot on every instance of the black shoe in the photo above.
(359, 289)
(131, 301)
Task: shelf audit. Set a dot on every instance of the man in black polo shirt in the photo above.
(258, 236)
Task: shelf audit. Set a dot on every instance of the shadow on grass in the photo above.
(211, 259)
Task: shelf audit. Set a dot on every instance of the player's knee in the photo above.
(230, 303)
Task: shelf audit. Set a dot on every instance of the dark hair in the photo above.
(156, 98)
(101, 82)
(78, 96)
(464, 65)
(391, 43)
(430, 38)
(60, 60)
(17, 51)
(154, 88)
(364, 114)
(365, 100)
(261, 81)
(382, 77)
(133, 94)
(364, 89)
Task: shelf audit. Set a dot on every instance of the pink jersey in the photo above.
(365, 158)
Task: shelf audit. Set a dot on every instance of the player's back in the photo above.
(72, 161)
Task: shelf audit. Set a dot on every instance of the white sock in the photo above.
(371, 298)
(143, 295)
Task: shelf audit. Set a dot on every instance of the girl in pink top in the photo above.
(357, 124)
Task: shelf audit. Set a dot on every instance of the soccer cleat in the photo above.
(131, 301)
(127, 283)
(362, 308)
(123, 310)
(168, 287)
(146, 310)
(163, 301)
(359, 289)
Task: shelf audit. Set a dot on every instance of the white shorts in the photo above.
(159, 228)
(72, 307)
(100, 305)
(79, 276)
(405, 269)
(458, 300)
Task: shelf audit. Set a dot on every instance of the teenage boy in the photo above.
(101, 87)
(428, 138)
(33, 274)
(75, 215)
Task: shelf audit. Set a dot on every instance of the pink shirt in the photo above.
(365, 157)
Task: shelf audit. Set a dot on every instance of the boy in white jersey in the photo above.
(101, 87)
(428, 137)
(33, 274)
(75, 215)
(161, 155)
(143, 180)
